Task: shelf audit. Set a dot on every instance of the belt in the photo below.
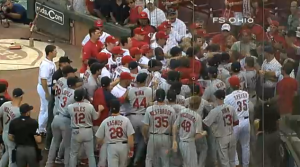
(66, 116)
(135, 114)
(47, 85)
(123, 142)
(246, 117)
(168, 134)
(81, 127)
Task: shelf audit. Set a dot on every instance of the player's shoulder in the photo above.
(6, 104)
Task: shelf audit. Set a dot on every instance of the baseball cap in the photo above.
(117, 50)
(236, 66)
(152, 63)
(24, 108)
(96, 67)
(162, 27)
(225, 27)
(167, 23)
(171, 96)
(161, 35)
(225, 57)
(115, 105)
(160, 95)
(139, 31)
(71, 81)
(213, 62)
(79, 94)
(173, 76)
(111, 39)
(127, 59)
(18, 92)
(92, 61)
(133, 65)
(212, 70)
(234, 81)
(64, 59)
(105, 81)
(98, 23)
(143, 15)
(141, 77)
(126, 76)
(135, 51)
(102, 56)
(149, 1)
(220, 94)
(146, 49)
(175, 51)
(68, 69)
(269, 49)
(171, 11)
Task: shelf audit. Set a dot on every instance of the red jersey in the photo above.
(134, 15)
(195, 65)
(185, 72)
(257, 31)
(221, 40)
(150, 31)
(286, 89)
(89, 50)
(291, 53)
(136, 43)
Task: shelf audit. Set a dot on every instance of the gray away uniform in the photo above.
(8, 112)
(115, 130)
(160, 119)
(215, 85)
(59, 86)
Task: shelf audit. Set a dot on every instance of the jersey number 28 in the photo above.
(116, 132)
(137, 104)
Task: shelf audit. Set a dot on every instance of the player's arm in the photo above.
(199, 130)
(174, 134)
(210, 118)
(96, 114)
(44, 74)
(37, 137)
(206, 95)
(130, 133)
(235, 117)
(146, 122)
(100, 134)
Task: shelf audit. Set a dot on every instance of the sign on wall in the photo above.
(50, 13)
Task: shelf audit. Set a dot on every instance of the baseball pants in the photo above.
(49, 122)
(211, 151)
(82, 137)
(189, 153)
(176, 159)
(201, 148)
(242, 134)
(43, 115)
(138, 137)
(158, 150)
(226, 147)
(117, 154)
(6, 157)
(26, 156)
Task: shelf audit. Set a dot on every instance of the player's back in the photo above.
(139, 98)
(161, 119)
(115, 129)
(223, 121)
(8, 112)
(59, 86)
(251, 77)
(243, 81)
(177, 108)
(239, 100)
(82, 114)
(215, 85)
(187, 120)
(180, 99)
(67, 97)
(86, 75)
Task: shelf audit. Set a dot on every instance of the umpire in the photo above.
(63, 61)
(22, 131)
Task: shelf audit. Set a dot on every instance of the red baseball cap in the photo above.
(99, 23)
(234, 81)
(126, 76)
(162, 27)
(102, 56)
(111, 39)
(139, 31)
(134, 51)
(161, 35)
(143, 15)
(127, 59)
(117, 50)
(146, 49)
(168, 24)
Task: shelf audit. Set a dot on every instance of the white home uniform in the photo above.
(119, 70)
(118, 91)
(101, 39)
(239, 100)
(179, 26)
(8, 112)
(144, 60)
(46, 70)
(118, 59)
(243, 80)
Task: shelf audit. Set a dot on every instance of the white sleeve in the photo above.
(44, 71)
(85, 40)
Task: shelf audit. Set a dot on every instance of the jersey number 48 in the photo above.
(186, 126)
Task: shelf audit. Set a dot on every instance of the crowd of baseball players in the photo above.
(141, 106)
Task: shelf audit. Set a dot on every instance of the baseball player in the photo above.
(9, 111)
(123, 68)
(158, 121)
(251, 78)
(215, 61)
(239, 100)
(139, 98)
(176, 87)
(46, 70)
(61, 123)
(82, 114)
(215, 85)
(88, 73)
(117, 132)
(189, 126)
(236, 70)
(221, 120)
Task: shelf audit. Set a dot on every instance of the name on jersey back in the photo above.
(188, 116)
(240, 96)
(160, 111)
(115, 123)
